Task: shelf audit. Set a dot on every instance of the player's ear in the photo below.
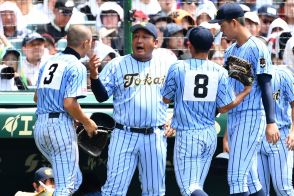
(155, 43)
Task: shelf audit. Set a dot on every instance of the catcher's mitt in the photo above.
(96, 144)
(240, 70)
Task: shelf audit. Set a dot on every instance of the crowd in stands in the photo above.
(33, 30)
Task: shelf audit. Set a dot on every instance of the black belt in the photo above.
(54, 115)
(147, 130)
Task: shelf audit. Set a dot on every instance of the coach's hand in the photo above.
(91, 127)
(94, 63)
(290, 141)
(272, 133)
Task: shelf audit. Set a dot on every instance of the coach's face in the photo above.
(143, 45)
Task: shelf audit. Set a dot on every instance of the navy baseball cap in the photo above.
(65, 6)
(268, 10)
(228, 11)
(171, 29)
(31, 37)
(201, 38)
(145, 26)
(43, 174)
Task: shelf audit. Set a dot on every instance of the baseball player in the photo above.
(61, 81)
(277, 160)
(198, 87)
(247, 121)
(139, 139)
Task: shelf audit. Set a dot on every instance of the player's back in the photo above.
(61, 76)
(202, 86)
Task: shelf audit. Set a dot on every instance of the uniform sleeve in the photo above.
(225, 93)
(168, 89)
(107, 76)
(262, 63)
(288, 85)
(77, 82)
(40, 76)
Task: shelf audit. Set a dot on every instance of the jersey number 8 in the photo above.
(200, 89)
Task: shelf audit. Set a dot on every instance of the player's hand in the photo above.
(91, 128)
(272, 133)
(94, 63)
(290, 141)
(168, 131)
(247, 89)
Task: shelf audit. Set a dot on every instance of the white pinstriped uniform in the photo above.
(276, 160)
(246, 122)
(137, 102)
(194, 117)
(61, 77)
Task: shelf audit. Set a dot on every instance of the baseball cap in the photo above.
(112, 6)
(43, 173)
(252, 16)
(178, 15)
(140, 14)
(267, 10)
(171, 29)
(65, 6)
(47, 37)
(31, 37)
(207, 8)
(160, 16)
(228, 11)
(201, 38)
(146, 26)
(13, 51)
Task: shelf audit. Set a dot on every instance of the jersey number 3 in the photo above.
(52, 68)
(203, 88)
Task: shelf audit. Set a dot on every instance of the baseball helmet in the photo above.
(95, 145)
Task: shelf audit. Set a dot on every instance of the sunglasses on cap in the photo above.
(65, 12)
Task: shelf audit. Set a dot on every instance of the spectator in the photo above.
(49, 44)
(139, 16)
(32, 13)
(33, 49)
(205, 12)
(275, 29)
(91, 8)
(267, 14)
(252, 22)
(11, 79)
(111, 17)
(149, 7)
(59, 25)
(276, 26)
(13, 25)
(105, 54)
(189, 6)
(106, 35)
(289, 16)
(43, 183)
(288, 56)
(183, 18)
(174, 39)
(167, 6)
(160, 20)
